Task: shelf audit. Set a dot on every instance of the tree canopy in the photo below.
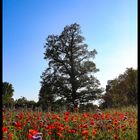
(122, 91)
(71, 69)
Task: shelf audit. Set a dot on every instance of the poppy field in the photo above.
(110, 124)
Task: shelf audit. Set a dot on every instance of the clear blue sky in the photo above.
(109, 26)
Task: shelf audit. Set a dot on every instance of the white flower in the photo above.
(37, 136)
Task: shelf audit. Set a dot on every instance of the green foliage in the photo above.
(121, 91)
(46, 97)
(70, 72)
(130, 109)
(7, 94)
(24, 103)
(21, 102)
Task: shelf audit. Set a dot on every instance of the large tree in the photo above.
(122, 91)
(71, 69)
(7, 94)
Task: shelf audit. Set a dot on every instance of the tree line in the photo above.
(70, 76)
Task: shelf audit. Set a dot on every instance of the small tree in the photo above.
(7, 94)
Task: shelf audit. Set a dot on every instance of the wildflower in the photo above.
(33, 132)
(66, 113)
(19, 116)
(115, 113)
(91, 122)
(84, 132)
(60, 128)
(115, 122)
(85, 126)
(66, 119)
(29, 136)
(17, 125)
(60, 135)
(50, 133)
(51, 126)
(107, 116)
(34, 135)
(73, 130)
(10, 134)
(4, 129)
(94, 132)
(108, 127)
(115, 136)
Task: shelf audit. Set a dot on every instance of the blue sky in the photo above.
(109, 26)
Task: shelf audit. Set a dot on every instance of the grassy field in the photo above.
(109, 124)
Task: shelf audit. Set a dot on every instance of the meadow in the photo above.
(109, 124)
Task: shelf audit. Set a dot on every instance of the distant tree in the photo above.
(122, 91)
(7, 94)
(24, 103)
(21, 102)
(71, 69)
(31, 104)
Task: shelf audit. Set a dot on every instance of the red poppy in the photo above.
(51, 126)
(66, 119)
(50, 133)
(91, 122)
(10, 134)
(29, 136)
(115, 136)
(66, 113)
(60, 135)
(18, 125)
(60, 128)
(94, 132)
(32, 132)
(4, 129)
(85, 126)
(84, 132)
